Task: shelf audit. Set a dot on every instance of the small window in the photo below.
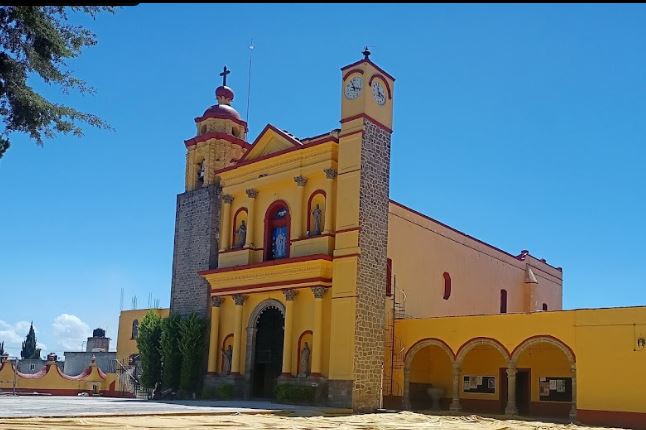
(447, 285)
(544, 306)
(503, 301)
(32, 366)
(135, 329)
(389, 276)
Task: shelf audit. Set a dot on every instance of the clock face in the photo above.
(353, 88)
(378, 92)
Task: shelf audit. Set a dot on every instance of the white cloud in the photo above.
(13, 336)
(70, 331)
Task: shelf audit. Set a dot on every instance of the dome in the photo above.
(225, 92)
(221, 111)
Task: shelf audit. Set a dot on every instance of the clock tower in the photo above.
(358, 307)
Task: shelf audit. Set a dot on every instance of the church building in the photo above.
(309, 274)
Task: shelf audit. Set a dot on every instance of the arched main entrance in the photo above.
(268, 352)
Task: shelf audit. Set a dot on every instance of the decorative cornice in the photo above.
(239, 299)
(217, 301)
(300, 180)
(330, 173)
(319, 292)
(251, 193)
(227, 199)
(290, 294)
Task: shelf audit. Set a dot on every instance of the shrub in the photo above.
(148, 343)
(220, 392)
(292, 393)
(171, 355)
(191, 346)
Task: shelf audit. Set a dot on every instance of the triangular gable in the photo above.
(270, 141)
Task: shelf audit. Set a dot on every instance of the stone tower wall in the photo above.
(371, 276)
(197, 224)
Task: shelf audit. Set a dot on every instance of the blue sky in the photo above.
(522, 125)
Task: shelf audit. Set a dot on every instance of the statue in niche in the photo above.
(241, 235)
(226, 360)
(200, 172)
(316, 215)
(304, 365)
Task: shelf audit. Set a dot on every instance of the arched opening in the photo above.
(304, 369)
(135, 329)
(239, 233)
(277, 231)
(447, 285)
(503, 301)
(483, 365)
(430, 380)
(201, 172)
(544, 306)
(268, 352)
(316, 213)
(551, 366)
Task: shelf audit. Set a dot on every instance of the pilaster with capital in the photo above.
(298, 209)
(330, 175)
(214, 339)
(455, 399)
(511, 408)
(227, 199)
(239, 300)
(317, 336)
(251, 207)
(290, 296)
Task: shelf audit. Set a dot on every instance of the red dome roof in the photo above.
(225, 92)
(221, 111)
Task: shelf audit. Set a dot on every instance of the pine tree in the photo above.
(29, 349)
(148, 343)
(1, 348)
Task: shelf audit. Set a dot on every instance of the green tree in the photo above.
(191, 346)
(148, 342)
(171, 355)
(29, 349)
(1, 348)
(36, 41)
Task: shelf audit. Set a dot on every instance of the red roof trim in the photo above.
(268, 263)
(459, 232)
(217, 135)
(268, 127)
(363, 60)
(212, 115)
(368, 117)
(351, 72)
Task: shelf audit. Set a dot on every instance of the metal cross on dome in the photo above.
(224, 74)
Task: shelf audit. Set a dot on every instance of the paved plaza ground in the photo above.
(32, 412)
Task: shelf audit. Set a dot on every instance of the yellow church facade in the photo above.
(310, 275)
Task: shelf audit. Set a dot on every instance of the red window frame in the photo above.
(447, 285)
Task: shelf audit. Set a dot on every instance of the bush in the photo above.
(171, 355)
(292, 393)
(191, 346)
(220, 392)
(148, 343)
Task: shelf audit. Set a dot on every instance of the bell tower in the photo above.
(219, 142)
(358, 307)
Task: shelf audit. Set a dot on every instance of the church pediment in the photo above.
(270, 141)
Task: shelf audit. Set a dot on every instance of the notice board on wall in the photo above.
(479, 384)
(555, 389)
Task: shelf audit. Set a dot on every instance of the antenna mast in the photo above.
(249, 80)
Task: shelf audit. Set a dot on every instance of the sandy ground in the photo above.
(400, 420)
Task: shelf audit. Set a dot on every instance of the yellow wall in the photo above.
(126, 345)
(609, 370)
(423, 249)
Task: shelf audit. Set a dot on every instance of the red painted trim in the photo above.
(298, 356)
(217, 135)
(223, 116)
(321, 140)
(634, 420)
(389, 276)
(515, 257)
(356, 254)
(313, 237)
(265, 130)
(483, 338)
(268, 263)
(548, 336)
(364, 60)
(447, 285)
(349, 72)
(503, 301)
(345, 230)
(453, 355)
(233, 228)
(350, 133)
(219, 291)
(270, 223)
(224, 343)
(390, 94)
(369, 118)
(317, 136)
(309, 207)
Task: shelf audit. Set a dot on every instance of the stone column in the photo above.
(330, 175)
(237, 333)
(298, 208)
(288, 340)
(317, 336)
(226, 222)
(455, 401)
(573, 407)
(251, 193)
(511, 390)
(407, 405)
(214, 346)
